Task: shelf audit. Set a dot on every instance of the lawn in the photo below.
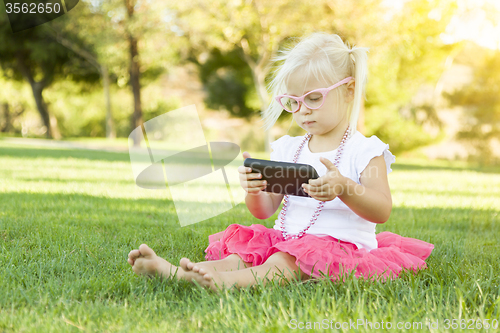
(69, 217)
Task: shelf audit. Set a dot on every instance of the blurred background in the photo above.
(94, 74)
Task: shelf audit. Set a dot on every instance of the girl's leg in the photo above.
(278, 266)
(144, 261)
(232, 262)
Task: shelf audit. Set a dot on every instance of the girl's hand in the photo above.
(250, 182)
(327, 187)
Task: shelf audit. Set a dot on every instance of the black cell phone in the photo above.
(283, 177)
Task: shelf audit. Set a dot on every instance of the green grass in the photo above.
(68, 219)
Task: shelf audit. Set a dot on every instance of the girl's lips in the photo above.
(308, 122)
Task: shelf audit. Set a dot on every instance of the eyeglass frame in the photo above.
(323, 91)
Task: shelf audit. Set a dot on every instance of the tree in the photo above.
(33, 55)
(405, 53)
(132, 36)
(481, 102)
(228, 81)
(134, 70)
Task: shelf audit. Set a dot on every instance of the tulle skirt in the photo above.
(322, 256)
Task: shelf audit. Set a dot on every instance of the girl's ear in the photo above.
(350, 90)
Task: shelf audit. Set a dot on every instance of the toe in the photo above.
(134, 254)
(130, 261)
(196, 268)
(184, 263)
(202, 271)
(146, 251)
(190, 266)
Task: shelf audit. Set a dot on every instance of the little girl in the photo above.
(331, 233)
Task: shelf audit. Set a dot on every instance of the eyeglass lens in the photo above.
(311, 101)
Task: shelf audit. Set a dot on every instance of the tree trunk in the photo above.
(37, 89)
(110, 124)
(134, 75)
(135, 85)
(6, 115)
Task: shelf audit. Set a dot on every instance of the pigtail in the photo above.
(360, 74)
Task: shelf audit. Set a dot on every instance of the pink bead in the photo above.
(307, 137)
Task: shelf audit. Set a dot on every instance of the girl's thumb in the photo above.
(246, 154)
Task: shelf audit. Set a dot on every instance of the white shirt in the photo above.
(336, 218)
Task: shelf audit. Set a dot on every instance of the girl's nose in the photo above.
(304, 109)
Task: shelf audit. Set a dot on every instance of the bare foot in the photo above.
(186, 264)
(145, 262)
(213, 280)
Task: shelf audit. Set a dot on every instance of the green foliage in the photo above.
(481, 103)
(411, 55)
(401, 134)
(151, 74)
(158, 107)
(82, 114)
(42, 55)
(34, 55)
(228, 81)
(252, 142)
(16, 100)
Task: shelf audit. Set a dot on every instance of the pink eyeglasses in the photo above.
(313, 99)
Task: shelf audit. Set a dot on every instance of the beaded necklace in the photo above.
(315, 215)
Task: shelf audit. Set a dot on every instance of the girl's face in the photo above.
(325, 119)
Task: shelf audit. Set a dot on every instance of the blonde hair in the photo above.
(324, 55)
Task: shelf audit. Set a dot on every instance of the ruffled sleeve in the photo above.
(372, 148)
(278, 148)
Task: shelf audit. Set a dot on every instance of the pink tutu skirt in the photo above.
(322, 256)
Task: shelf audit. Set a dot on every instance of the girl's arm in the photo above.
(262, 204)
(372, 199)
